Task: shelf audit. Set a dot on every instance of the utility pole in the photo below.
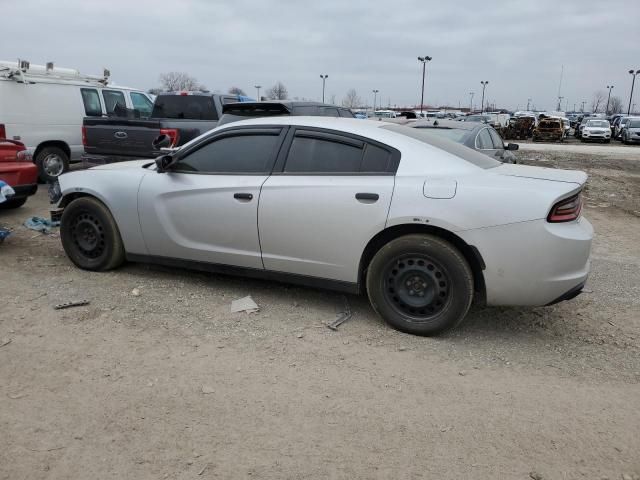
(559, 103)
(560, 88)
(582, 109)
(258, 87)
(324, 79)
(609, 87)
(375, 97)
(633, 82)
(424, 61)
(528, 102)
(484, 84)
(471, 94)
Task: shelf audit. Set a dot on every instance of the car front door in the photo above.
(328, 196)
(205, 208)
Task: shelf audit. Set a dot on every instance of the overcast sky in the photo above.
(518, 46)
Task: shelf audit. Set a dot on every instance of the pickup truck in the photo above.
(124, 136)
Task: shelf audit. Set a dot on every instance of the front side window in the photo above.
(141, 103)
(240, 154)
(91, 100)
(113, 98)
(316, 155)
(483, 140)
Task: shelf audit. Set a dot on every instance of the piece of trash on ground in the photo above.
(342, 316)
(206, 389)
(135, 292)
(78, 303)
(245, 304)
(40, 224)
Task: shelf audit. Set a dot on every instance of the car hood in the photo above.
(123, 165)
(552, 174)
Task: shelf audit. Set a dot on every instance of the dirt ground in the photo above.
(170, 384)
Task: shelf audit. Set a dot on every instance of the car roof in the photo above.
(351, 125)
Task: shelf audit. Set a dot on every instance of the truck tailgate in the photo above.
(117, 136)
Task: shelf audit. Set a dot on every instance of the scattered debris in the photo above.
(536, 476)
(462, 373)
(300, 335)
(342, 316)
(4, 233)
(135, 292)
(611, 323)
(40, 224)
(245, 304)
(402, 349)
(5, 341)
(206, 389)
(16, 396)
(78, 303)
(46, 449)
(203, 469)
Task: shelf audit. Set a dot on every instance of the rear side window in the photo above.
(483, 140)
(329, 112)
(141, 103)
(91, 100)
(187, 107)
(240, 154)
(375, 159)
(498, 143)
(315, 155)
(346, 113)
(305, 110)
(112, 98)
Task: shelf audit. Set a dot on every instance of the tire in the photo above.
(90, 236)
(420, 284)
(51, 162)
(13, 203)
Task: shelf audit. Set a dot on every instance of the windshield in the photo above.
(598, 123)
(455, 134)
(425, 135)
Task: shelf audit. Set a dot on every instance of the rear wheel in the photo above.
(13, 203)
(420, 284)
(51, 162)
(90, 236)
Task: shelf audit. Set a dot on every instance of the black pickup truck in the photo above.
(181, 116)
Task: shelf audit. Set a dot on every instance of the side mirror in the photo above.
(161, 141)
(164, 162)
(512, 146)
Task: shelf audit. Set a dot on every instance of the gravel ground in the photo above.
(170, 384)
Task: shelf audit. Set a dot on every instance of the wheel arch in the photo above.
(53, 143)
(470, 252)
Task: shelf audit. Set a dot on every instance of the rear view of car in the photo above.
(18, 171)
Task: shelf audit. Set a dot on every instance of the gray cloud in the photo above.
(518, 46)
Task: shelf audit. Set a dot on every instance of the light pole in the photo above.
(375, 96)
(609, 87)
(471, 94)
(258, 87)
(324, 79)
(484, 84)
(633, 82)
(582, 108)
(424, 61)
(528, 102)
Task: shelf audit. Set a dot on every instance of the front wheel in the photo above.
(90, 236)
(420, 284)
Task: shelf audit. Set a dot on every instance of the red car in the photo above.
(18, 171)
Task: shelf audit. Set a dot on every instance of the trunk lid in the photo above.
(541, 173)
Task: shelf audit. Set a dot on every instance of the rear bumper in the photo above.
(533, 263)
(25, 190)
(19, 174)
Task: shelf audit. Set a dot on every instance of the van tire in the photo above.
(51, 162)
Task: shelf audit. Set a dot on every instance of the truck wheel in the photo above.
(51, 162)
(90, 236)
(420, 284)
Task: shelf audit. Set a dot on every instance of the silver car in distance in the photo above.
(420, 224)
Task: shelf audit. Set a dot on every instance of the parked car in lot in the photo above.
(478, 136)
(43, 106)
(18, 171)
(422, 224)
(596, 130)
(549, 129)
(631, 132)
(622, 124)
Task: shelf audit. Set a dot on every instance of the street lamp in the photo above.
(528, 102)
(375, 96)
(471, 94)
(324, 79)
(633, 82)
(424, 61)
(484, 84)
(606, 110)
(258, 87)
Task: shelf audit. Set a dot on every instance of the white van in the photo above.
(43, 107)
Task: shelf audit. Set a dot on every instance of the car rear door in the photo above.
(328, 196)
(484, 143)
(205, 209)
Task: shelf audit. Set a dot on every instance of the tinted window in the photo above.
(329, 112)
(322, 156)
(375, 159)
(483, 140)
(346, 113)
(91, 100)
(305, 110)
(190, 107)
(239, 154)
(141, 103)
(455, 134)
(498, 143)
(113, 98)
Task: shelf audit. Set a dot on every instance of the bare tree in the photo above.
(278, 92)
(174, 81)
(598, 101)
(154, 91)
(237, 91)
(352, 100)
(616, 105)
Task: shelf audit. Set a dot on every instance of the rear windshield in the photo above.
(187, 107)
(455, 134)
(425, 135)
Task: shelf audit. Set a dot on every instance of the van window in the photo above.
(141, 103)
(113, 98)
(91, 100)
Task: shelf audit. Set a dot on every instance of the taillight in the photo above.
(3, 131)
(84, 135)
(566, 210)
(172, 133)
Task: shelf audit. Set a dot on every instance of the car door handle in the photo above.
(367, 196)
(243, 196)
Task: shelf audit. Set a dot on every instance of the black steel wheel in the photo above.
(90, 236)
(420, 284)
